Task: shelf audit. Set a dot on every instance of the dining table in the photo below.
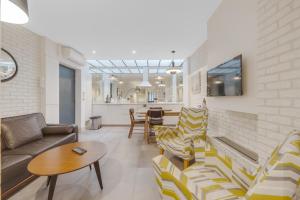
(167, 112)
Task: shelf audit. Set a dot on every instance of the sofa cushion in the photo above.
(14, 170)
(39, 146)
(57, 129)
(20, 131)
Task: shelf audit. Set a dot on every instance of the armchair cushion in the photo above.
(58, 130)
(188, 137)
(196, 182)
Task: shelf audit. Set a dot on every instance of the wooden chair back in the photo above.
(155, 116)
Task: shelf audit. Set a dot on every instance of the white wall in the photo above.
(50, 81)
(21, 95)
(185, 77)
(198, 63)
(52, 57)
(267, 34)
(36, 86)
(278, 71)
(232, 31)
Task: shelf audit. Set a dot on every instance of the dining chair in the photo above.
(134, 122)
(154, 118)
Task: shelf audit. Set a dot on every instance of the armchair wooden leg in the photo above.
(186, 164)
(161, 151)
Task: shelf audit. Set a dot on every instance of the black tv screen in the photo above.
(226, 79)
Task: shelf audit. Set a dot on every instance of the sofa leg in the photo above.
(186, 164)
(161, 151)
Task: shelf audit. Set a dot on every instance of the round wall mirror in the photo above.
(8, 66)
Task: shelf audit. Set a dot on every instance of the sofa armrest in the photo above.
(59, 129)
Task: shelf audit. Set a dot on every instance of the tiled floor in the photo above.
(126, 171)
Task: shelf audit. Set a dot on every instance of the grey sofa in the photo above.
(23, 138)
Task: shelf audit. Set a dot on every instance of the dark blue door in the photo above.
(66, 95)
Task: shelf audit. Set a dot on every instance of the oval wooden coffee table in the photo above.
(62, 159)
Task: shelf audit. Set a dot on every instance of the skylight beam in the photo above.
(115, 66)
(158, 65)
(99, 63)
(126, 66)
(137, 66)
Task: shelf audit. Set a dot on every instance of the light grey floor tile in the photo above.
(126, 170)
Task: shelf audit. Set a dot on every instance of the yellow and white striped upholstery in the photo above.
(220, 177)
(280, 177)
(196, 182)
(189, 133)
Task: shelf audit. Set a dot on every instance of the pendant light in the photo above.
(159, 77)
(113, 78)
(173, 69)
(14, 11)
(162, 84)
(145, 83)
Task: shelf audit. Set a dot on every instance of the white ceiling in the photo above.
(116, 27)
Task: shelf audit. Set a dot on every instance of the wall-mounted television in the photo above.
(226, 79)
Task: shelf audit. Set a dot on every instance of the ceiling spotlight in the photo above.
(157, 82)
(133, 52)
(94, 52)
(121, 82)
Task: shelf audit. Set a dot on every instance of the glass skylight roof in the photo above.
(131, 66)
(130, 63)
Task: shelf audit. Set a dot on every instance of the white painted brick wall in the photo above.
(278, 68)
(238, 126)
(22, 94)
(278, 82)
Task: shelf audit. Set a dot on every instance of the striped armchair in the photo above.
(221, 177)
(187, 137)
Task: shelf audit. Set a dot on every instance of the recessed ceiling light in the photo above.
(94, 52)
(133, 51)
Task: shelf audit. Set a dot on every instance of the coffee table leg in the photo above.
(52, 186)
(97, 169)
(48, 180)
